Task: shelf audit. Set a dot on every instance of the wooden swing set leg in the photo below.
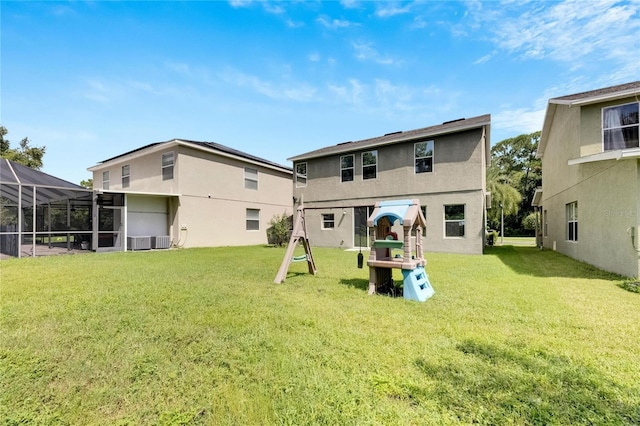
(299, 232)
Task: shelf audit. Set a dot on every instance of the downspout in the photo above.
(33, 224)
(20, 222)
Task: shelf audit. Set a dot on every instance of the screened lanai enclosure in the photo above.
(42, 215)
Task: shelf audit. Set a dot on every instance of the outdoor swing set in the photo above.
(382, 261)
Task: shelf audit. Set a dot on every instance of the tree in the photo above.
(30, 156)
(505, 198)
(514, 163)
(88, 183)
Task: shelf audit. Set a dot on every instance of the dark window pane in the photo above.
(369, 172)
(347, 175)
(424, 165)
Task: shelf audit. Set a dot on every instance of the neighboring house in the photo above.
(443, 166)
(590, 195)
(193, 194)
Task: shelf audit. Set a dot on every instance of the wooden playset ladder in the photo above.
(299, 233)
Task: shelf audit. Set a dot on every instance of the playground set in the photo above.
(382, 260)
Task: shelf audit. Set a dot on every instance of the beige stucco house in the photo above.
(187, 194)
(443, 166)
(590, 195)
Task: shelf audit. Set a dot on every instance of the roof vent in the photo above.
(393, 133)
(454, 121)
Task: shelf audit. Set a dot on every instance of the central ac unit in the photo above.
(139, 243)
(160, 242)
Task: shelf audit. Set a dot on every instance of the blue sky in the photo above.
(91, 80)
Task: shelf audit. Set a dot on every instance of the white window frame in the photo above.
(328, 221)
(352, 167)
(424, 230)
(251, 178)
(429, 144)
(168, 162)
(126, 176)
(252, 220)
(572, 221)
(105, 180)
(463, 220)
(611, 123)
(374, 155)
(301, 178)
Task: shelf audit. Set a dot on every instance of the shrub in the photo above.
(529, 222)
(279, 229)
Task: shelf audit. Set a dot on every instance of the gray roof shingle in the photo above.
(600, 92)
(396, 137)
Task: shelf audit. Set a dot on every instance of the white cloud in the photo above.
(350, 4)
(300, 92)
(240, 3)
(519, 120)
(565, 31)
(484, 58)
(314, 57)
(386, 10)
(333, 24)
(365, 52)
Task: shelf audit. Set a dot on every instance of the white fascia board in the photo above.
(598, 98)
(620, 154)
(117, 191)
(134, 155)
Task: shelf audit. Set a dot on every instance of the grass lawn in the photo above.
(203, 336)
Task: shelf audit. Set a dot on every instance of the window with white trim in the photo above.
(454, 220)
(346, 168)
(423, 152)
(424, 230)
(250, 178)
(572, 221)
(620, 127)
(126, 173)
(168, 162)
(253, 219)
(328, 221)
(301, 175)
(105, 180)
(369, 165)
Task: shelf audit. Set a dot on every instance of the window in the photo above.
(328, 221)
(253, 220)
(125, 176)
(572, 221)
(424, 230)
(454, 220)
(545, 230)
(301, 175)
(250, 178)
(105, 180)
(346, 168)
(620, 125)
(369, 165)
(424, 157)
(167, 166)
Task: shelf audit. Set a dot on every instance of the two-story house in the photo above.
(192, 194)
(590, 195)
(443, 166)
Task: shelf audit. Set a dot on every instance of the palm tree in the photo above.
(505, 198)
